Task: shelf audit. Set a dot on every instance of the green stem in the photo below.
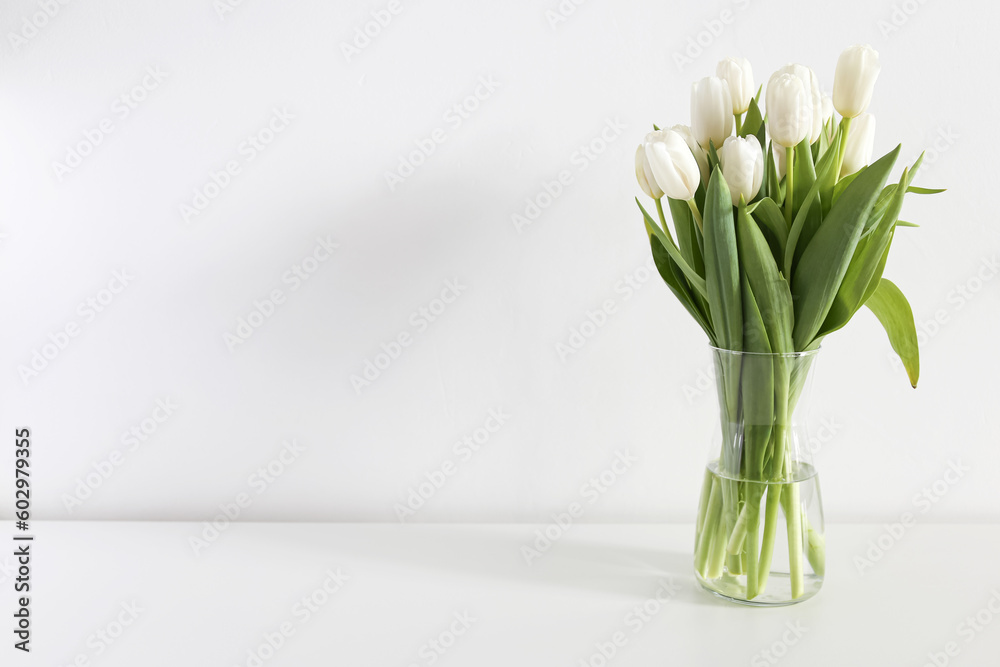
(663, 218)
(739, 532)
(706, 491)
(697, 215)
(718, 551)
(708, 529)
(789, 199)
(816, 551)
(770, 528)
(751, 543)
(739, 123)
(845, 126)
(793, 517)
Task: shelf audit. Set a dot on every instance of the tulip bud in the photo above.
(674, 167)
(789, 109)
(738, 75)
(711, 111)
(857, 69)
(742, 163)
(644, 175)
(859, 145)
(699, 153)
(814, 112)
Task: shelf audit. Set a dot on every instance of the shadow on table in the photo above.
(508, 552)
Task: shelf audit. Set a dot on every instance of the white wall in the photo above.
(494, 347)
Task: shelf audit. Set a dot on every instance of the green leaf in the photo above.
(867, 262)
(756, 385)
(665, 265)
(925, 191)
(713, 159)
(904, 223)
(893, 311)
(804, 226)
(805, 173)
(842, 184)
(773, 225)
(823, 264)
(687, 234)
(878, 210)
(753, 120)
(770, 288)
(652, 228)
(826, 171)
(722, 266)
(773, 182)
(873, 285)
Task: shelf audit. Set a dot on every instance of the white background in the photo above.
(633, 387)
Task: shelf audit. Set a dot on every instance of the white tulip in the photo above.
(673, 165)
(815, 107)
(742, 163)
(859, 145)
(857, 69)
(711, 111)
(699, 153)
(789, 109)
(644, 174)
(738, 75)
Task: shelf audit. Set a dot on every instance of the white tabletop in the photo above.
(395, 595)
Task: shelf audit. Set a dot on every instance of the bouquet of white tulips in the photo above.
(781, 229)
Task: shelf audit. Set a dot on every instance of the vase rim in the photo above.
(785, 355)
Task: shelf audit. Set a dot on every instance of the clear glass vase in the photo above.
(759, 533)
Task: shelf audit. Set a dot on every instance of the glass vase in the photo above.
(759, 532)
